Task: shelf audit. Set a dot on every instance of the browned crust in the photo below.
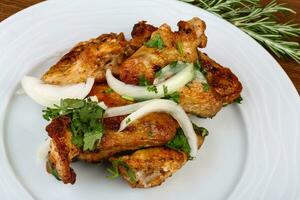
(89, 59)
(61, 153)
(225, 83)
(155, 129)
(141, 33)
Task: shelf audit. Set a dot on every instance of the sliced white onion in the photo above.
(173, 84)
(102, 105)
(169, 71)
(124, 110)
(170, 107)
(48, 95)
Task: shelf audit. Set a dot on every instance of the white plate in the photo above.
(251, 153)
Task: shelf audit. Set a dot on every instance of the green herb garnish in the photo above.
(179, 142)
(239, 100)
(86, 120)
(175, 96)
(155, 42)
(158, 74)
(114, 171)
(152, 88)
(206, 87)
(128, 121)
(143, 81)
(179, 46)
(199, 67)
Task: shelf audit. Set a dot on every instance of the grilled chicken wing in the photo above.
(146, 61)
(62, 150)
(223, 81)
(89, 59)
(152, 166)
(155, 129)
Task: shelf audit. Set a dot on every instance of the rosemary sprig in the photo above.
(259, 22)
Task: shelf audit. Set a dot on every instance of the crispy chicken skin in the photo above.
(61, 149)
(152, 166)
(146, 61)
(89, 59)
(223, 81)
(141, 33)
(155, 129)
(196, 100)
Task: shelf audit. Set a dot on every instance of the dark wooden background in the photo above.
(9, 7)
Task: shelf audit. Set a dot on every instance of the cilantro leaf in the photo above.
(52, 170)
(179, 142)
(239, 100)
(152, 88)
(86, 117)
(206, 87)
(175, 96)
(155, 42)
(90, 139)
(114, 171)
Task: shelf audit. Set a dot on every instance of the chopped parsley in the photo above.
(199, 67)
(86, 120)
(206, 87)
(152, 88)
(114, 171)
(239, 100)
(128, 121)
(179, 47)
(175, 96)
(143, 81)
(173, 64)
(108, 90)
(155, 42)
(179, 142)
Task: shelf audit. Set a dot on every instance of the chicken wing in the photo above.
(89, 59)
(152, 166)
(155, 129)
(146, 61)
(223, 81)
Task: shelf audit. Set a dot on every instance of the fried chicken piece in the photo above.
(200, 101)
(89, 59)
(141, 33)
(146, 61)
(152, 166)
(223, 81)
(154, 129)
(62, 151)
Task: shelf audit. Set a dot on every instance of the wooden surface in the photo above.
(9, 7)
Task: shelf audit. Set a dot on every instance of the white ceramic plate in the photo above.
(252, 151)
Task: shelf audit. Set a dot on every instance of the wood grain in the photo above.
(9, 7)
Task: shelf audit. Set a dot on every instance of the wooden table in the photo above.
(9, 7)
